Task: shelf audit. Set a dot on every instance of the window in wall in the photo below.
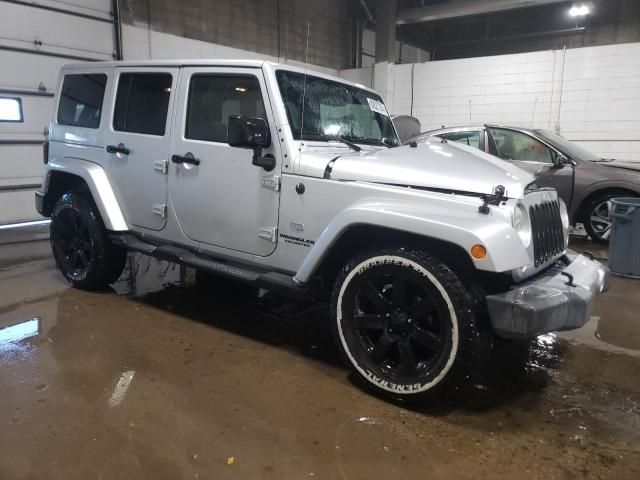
(81, 100)
(214, 98)
(11, 109)
(142, 102)
(513, 145)
(471, 138)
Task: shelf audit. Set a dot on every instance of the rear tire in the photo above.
(404, 323)
(81, 248)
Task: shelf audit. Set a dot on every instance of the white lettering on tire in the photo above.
(371, 377)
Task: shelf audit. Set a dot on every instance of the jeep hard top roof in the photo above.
(195, 62)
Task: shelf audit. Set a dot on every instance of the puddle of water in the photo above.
(590, 336)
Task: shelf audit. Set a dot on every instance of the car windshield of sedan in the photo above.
(334, 110)
(567, 147)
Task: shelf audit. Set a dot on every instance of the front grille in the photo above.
(547, 230)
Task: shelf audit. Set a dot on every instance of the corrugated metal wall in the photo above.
(272, 27)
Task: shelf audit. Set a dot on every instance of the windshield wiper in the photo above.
(373, 141)
(351, 145)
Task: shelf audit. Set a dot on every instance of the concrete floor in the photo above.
(156, 380)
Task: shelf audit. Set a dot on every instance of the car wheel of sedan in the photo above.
(80, 245)
(597, 218)
(403, 321)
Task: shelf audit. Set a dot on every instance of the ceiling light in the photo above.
(241, 89)
(579, 10)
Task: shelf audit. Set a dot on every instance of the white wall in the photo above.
(363, 76)
(590, 95)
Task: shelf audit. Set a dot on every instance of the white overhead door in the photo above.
(36, 39)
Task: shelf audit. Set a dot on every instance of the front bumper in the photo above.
(550, 301)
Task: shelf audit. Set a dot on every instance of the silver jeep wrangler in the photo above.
(296, 182)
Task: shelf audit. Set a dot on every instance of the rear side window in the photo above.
(471, 138)
(81, 100)
(142, 102)
(213, 98)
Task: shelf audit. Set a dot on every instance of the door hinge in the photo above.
(161, 166)
(272, 182)
(268, 233)
(160, 209)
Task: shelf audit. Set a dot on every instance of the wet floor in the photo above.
(157, 379)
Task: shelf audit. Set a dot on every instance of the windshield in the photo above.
(567, 147)
(334, 109)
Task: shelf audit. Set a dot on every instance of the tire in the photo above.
(597, 219)
(81, 248)
(404, 323)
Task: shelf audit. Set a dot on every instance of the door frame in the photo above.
(178, 138)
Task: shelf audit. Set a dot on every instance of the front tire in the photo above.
(81, 248)
(404, 323)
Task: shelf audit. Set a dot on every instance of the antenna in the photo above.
(304, 96)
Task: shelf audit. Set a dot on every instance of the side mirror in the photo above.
(251, 132)
(248, 132)
(563, 161)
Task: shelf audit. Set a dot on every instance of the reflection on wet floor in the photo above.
(162, 378)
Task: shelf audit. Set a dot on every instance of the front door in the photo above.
(138, 143)
(218, 196)
(532, 155)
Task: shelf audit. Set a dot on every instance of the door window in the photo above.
(513, 145)
(471, 138)
(81, 100)
(213, 98)
(142, 102)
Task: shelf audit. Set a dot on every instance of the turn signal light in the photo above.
(478, 252)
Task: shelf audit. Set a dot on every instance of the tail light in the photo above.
(45, 152)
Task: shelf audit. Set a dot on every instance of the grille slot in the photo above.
(548, 234)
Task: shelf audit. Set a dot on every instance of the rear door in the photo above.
(218, 196)
(138, 141)
(532, 155)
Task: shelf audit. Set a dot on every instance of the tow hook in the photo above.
(570, 277)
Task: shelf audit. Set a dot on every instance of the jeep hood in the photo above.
(430, 165)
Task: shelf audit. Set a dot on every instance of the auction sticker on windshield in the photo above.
(377, 106)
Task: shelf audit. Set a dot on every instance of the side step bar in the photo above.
(275, 282)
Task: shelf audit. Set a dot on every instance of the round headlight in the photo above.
(521, 224)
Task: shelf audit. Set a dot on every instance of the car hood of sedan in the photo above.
(633, 166)
(435, 165)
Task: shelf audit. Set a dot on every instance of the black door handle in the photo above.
(186, 158)
(120, 148)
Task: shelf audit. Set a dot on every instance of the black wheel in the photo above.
(80, 245)
(404, 322)
(597, 216)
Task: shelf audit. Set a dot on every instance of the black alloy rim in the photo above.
(72, 242)
(398, 323)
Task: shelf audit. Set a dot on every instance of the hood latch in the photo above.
(495, 199)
